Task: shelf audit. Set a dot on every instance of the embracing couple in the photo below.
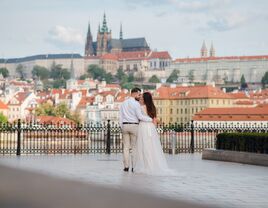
(141, 141)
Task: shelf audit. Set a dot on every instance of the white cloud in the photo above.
(228, 21)
(198, 6)
(65, 35)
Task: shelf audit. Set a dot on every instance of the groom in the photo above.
(130, 115)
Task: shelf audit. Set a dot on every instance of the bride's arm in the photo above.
(154, 120)
(141, 116)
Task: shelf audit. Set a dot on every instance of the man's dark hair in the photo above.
(136, 89)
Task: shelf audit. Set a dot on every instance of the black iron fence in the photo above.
(31, 138)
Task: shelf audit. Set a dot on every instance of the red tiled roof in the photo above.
(20, 96)
(3, 106)
(233, 114)
(105, 93)
(222, 58)
(110, 56)
(116, 86)
(160, 55)
(239, 95)
(122, 96)
(259, 95)
(84, 101)
(53, 120)
(133, 55)
(191, 92)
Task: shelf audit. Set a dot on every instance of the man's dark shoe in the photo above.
(126, 169)
(132, 169)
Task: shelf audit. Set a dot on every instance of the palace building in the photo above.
(220, 69)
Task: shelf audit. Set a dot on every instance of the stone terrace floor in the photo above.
(200, 181)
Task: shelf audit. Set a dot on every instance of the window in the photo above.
(181, 111)
(171, 111)
(135, 67)
(185, 110)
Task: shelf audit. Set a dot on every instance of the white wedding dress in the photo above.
(149, 157)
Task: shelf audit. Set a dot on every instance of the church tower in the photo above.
(103, 38)
(212, 51)
(89, 51)
(72, 72)
(204, 51)
(121, 32)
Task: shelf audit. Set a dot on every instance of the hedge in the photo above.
(245, 142)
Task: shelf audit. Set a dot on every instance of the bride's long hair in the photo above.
(149, 103)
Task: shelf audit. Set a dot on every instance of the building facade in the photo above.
(220, 69)
(235, 117)
(68, 61)
(178, 104)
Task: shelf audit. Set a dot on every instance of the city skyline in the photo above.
(235, 27)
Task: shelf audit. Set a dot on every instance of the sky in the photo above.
(236, 27)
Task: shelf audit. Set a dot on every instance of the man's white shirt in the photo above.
(130, 112)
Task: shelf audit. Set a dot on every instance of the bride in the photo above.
(149, 156)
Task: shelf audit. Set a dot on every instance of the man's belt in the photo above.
(129, 123)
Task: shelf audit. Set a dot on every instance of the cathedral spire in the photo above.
(204, 50)
(88, 29)
(104, 24)
(89, 42)
(212, 51)
(121, 32)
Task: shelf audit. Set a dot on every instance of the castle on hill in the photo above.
(106, 44)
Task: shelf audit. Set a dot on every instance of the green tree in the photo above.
(3, 118)
(41, 72)
(59, 83)
(61, 110)
(120, 74)
(154, 79)
(84, 76)
(96, 72)
(243, 83)
(131, 77)
(127, 85)
(264, 79)
(4, 71)
(45, 109)
(109, 78)
(173, 77)
(57, 72)
(20, 71)
(76, 117)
